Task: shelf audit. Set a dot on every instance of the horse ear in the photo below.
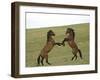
(73, 30)
(70, 29)
(50, 31)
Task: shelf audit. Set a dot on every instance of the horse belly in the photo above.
(72, 44)
(48, 48)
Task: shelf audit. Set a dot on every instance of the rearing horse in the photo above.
(70, 38)
(47, 48)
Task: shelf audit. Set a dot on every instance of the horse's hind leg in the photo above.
(42, 61)
(38, 60)
(80, 53)
(75, 54)
(47, 60)
(73, 57)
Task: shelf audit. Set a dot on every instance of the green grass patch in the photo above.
(36, 39)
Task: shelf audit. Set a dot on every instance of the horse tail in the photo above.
(38, 59)
(80, 53)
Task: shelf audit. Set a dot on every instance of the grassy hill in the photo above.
(36, 39)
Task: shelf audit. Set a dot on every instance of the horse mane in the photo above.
(73, 34)
(48, 35)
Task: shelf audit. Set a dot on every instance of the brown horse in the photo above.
(70, 38)
(47, 48)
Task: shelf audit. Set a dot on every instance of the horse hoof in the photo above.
(72, 59)
(49, 63)
(81, 58)
(38, 65)
(63, 44)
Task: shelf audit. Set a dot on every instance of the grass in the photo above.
(36, 39)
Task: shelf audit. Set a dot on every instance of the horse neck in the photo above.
(72, 35)
(49, 38)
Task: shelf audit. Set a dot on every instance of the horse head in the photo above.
(71, 32)
(50, 33)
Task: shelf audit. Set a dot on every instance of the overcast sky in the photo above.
(37, 20)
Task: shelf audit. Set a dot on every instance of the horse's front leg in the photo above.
(63, 42)
(59, 44)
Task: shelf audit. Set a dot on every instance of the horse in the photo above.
(70, 39)
(50, 43)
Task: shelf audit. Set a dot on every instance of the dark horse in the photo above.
(47, 48)
(70, 38)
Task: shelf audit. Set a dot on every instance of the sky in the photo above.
(38, 20)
